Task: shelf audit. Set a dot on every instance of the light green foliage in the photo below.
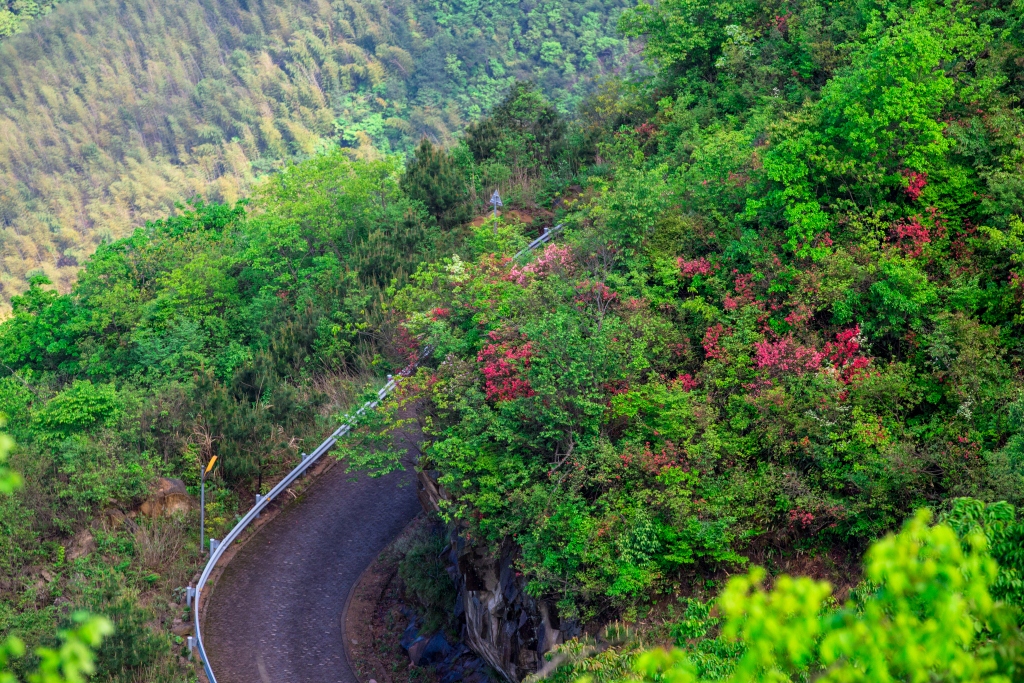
(928, 615)
(878, 116)
(15, 15)
(79, 407)
(9, 481)
(1004, 536)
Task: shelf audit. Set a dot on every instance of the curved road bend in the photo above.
(275, 615)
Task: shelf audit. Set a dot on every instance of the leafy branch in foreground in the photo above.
(9, 480)
(929, 616)
(72, 662)
(75, 659)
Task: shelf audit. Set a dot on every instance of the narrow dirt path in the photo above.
(276, 613)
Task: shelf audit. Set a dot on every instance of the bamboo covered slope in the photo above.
(113, 112)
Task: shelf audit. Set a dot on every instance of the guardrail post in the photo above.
(214, 544)
(259, 499)
(190, 595)
(190, 643)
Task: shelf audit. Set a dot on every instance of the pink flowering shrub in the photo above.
(916, 182)
(555, 258)
(652, 461)
(687, 382)
(785, 355)
(699, 266)
(743, 284)
(596, 294)
(711, 342)
(406, 344)
(501, 364)
(844, 353)
(911, 236)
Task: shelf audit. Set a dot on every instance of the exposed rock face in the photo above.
(505, 626)
(169, 496)
(82, 544)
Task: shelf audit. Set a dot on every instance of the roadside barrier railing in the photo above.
(544, 237)
(219, 547)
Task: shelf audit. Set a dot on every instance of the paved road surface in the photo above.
(275, 615)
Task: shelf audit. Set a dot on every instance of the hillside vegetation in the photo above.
(111, 113)
(785, 313)
(16, 15)
(237, 331)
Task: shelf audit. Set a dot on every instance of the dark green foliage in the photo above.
(524, 132)
(434, 177)
(424, 572)
(131, 648)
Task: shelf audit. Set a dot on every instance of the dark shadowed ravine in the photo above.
(275, 615)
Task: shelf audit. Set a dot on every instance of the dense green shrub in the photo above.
(424, 573)
(131, 647)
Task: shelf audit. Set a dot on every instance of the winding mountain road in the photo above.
(276, 613)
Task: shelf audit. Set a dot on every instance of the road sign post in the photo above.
(202, 504)
(496, 202)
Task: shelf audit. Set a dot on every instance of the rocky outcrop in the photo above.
(167, 497)
(81, 545)
(451, 664)
(509, 629)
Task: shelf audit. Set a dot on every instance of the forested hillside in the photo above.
(112, 112)
(16, 15)
(785, 314)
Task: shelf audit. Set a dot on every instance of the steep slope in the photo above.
(113, 112)
(785, 311)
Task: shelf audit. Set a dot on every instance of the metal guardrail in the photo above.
(219, 547)
(545, 237)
